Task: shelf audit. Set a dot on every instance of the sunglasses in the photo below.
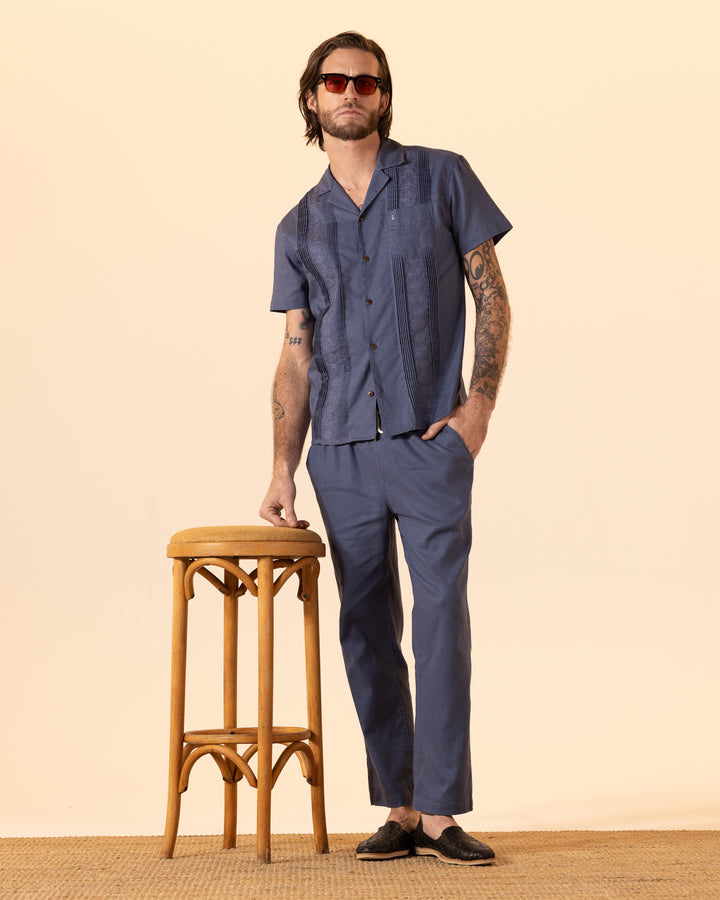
(364, 84)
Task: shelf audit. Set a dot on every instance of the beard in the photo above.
(352, 130)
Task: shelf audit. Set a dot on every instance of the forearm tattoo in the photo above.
(278, 410)
(492, 324)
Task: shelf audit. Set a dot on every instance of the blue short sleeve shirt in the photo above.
(385, 286)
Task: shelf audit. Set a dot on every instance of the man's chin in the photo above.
(351, 132)
(356, 129)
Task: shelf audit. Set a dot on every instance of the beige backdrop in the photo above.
(149, 148)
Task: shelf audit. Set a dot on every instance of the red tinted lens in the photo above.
(336, 84)
(364, 84)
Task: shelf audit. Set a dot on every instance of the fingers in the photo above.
(272, 515)
(276, 519)
(435, 428)
(271, 510)
(292, 520)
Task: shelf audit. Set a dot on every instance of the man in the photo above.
(370, 272)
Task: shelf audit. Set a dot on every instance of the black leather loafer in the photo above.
(388, 842)
(453, 846)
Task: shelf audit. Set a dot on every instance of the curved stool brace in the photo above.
(250, 752)
(225, 755)
(199, 566)
(207, 575)
(187, 750)
(237, 774)
(192, 758)
(277, 564)
(307, 581)
(302, 750)
(308, 577)
(307, 764)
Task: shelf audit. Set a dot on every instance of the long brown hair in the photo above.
(347, 40)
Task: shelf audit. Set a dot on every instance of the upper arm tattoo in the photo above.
(304, 325)
(492, 325)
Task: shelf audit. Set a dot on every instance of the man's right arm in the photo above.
(291, 418)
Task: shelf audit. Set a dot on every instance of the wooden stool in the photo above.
(295, 551)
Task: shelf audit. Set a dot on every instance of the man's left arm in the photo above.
(492, 330)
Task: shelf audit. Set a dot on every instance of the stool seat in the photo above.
(245, 542)
(295, 552)
(243, 533)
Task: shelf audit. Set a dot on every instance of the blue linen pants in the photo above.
(363, 489)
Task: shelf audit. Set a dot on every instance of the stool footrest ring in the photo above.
(281, 734)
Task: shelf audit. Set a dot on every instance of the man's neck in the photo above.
(352, 163)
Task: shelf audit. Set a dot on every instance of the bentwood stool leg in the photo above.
(230, 660)
(265, 704)
(177, 704)
(312, 671)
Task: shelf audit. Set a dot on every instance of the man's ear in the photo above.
(311, 101)
(384, 103)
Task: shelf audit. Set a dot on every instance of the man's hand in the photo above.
(281, 495)
(471, 424)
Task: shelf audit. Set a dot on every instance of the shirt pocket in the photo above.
(410, 230)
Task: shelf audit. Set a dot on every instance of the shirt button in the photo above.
(366, 259)
(373, 346)
(369, 302)
(371, 393)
